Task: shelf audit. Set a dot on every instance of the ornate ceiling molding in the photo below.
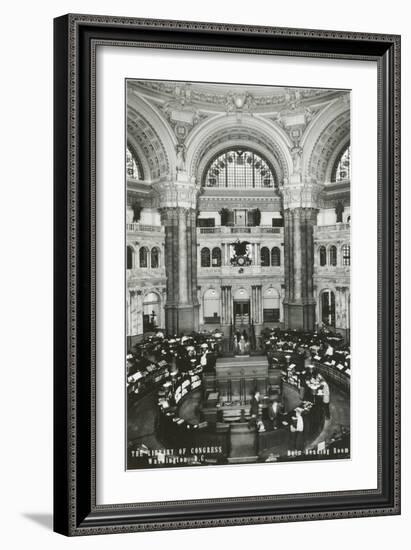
(232, 97)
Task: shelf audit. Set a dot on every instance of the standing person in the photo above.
(254, 409)
(153, 319)
(325, 390)
(297, 431)
(275, 411)
(241, 345)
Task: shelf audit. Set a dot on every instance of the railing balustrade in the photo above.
(240, 229)
(135, 227)
(334, 227)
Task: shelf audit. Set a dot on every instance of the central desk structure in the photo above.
(236, 378)
(228, 392)
(218, 415)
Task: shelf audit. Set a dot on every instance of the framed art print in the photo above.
(226, 274)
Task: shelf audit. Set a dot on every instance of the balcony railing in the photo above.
(334, 227)
(240, 229)
(135, 227)
(206, 230)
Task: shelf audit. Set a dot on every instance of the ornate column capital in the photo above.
(181, 193)
(301, 195)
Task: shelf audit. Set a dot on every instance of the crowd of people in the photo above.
(304, 348)
(298, 355)
(157, 358)
(175, 365)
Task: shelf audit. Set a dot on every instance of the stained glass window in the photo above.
(346, 254)
(240, 169)
(132, 167)
(343, 169)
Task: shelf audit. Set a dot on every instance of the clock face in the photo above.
(240, 260)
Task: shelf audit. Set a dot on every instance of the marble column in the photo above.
(162, 308)
(226, 304)
(341, 313)
(252, 304)
(181, 270)
(139, 311)
(300, 217)
(182, 256)
(256, 304)
(222, 305)
(229, 305)
(282, 295)
(259, 305)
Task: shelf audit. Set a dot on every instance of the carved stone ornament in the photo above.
(181, 193)
(301, 195)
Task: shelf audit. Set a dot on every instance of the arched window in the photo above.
(205, 257)
(346, 254)
(155, 257)
(333, 255)
(129, 257)
(238, 168)
(271, 306)
(211, 306)
(323, 255)
(143, 256)
(342, 170)
(133, 167)
(265, 257)
(151, 312)
(216, 257)
(275, 257)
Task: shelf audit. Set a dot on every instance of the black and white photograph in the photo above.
(237, 224)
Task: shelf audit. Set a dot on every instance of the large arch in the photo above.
(223, 131)
(139, 156)
(325, 137)
(335, 158)
(150, 132)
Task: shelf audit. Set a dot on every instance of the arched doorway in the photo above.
(211, 306)
(328, 308)
(151, 311)
(271, 306)
(241, 306)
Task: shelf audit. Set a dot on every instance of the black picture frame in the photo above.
(75, 40)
